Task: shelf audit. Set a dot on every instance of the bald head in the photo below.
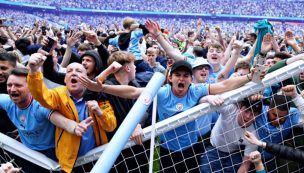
(71, 79)
(77, 66)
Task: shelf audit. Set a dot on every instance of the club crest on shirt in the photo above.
(22, 118)
(179, 106)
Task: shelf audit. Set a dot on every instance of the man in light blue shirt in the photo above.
(129, 39)
(276, 121)
(179, 95)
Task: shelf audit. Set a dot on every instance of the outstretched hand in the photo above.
(289, 38)
(266, 43)
(92, 37)
(82, 127)
(73, 38)
(89, 84)
(153, 28)
(252, 139)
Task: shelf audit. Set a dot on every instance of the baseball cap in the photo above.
(181, 64)
(199, 61)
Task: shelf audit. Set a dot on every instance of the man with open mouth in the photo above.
(69, 101)
(32, 120)
(177, 96)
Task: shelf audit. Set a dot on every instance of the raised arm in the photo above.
(124, 91)
(228, 51)
(220, 38)
(198, 29)
(72, 39)
(290, 90)
(154, 29)
(237, 48)
(281, 151)
(290, 40)
(92, 37)
(229, 84)
(36, 85)
(250, 54)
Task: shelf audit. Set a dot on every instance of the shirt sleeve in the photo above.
(200, 90)
(250, 148)
(113, 41)
(228, 112)
(43, 113)
(138, 33)
(46, 97)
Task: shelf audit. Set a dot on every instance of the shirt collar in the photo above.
(74, 99)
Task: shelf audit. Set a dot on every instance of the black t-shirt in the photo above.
(120, 105)
(6, 124)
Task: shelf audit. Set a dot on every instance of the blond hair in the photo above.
(127, 22)
(122, 57)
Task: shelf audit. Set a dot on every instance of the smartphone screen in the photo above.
(50, 45)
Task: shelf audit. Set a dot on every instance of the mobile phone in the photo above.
(49, 45)
(43, 30)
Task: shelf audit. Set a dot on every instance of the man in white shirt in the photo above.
(227, 139)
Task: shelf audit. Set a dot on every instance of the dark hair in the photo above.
(255, 106)
(22, 44)
(282, 55)
(280, 102)
(198, 51)
(3, 39)
(254, 35)
(8, 57)
(84, 47)
(190, 33)
(20, 72)
(242, 65)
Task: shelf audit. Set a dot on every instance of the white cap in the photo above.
(200, 62)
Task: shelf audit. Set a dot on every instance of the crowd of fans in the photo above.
(279, 8)
(107, 22)
(53, 94)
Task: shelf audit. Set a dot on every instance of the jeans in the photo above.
(217, 161)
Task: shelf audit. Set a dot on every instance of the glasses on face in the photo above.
(206, 68)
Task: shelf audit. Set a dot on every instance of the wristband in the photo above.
(248, 78)
(75, 130)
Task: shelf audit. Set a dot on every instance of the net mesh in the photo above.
(204, 151)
